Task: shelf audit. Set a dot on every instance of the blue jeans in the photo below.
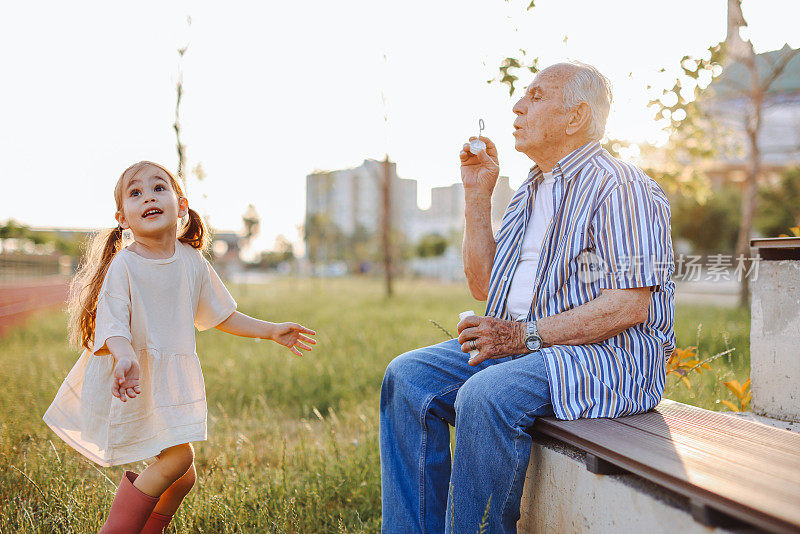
(491, 406)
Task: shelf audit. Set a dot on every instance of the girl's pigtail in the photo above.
(85, 287)
(195, 232)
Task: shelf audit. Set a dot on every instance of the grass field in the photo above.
(292, 441)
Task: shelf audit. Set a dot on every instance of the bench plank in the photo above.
(746, 470)
(727, 426)
(729, 445)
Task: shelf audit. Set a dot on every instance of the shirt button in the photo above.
(505, 278)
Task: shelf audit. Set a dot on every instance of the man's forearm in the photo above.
(606, 316)
(597, 320)
(479, 245)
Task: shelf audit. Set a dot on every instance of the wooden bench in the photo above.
(733, 472)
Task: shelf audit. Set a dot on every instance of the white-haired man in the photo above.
(579, 316)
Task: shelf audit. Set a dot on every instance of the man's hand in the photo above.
(493, 338)
(479, 172)
(126, 379)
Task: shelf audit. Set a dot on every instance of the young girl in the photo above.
(134, 310)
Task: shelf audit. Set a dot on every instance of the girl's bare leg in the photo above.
(170, 466)
(171, 499)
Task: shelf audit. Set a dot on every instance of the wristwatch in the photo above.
(532, 340)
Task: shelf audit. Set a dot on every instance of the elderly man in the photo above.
(579, 316)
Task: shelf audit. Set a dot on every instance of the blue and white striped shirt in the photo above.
(610, 230)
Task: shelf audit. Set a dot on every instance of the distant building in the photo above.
(226, 250)
(446, 213)
(779, 136)
(351, 199)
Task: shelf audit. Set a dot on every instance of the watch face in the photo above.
(533, 343)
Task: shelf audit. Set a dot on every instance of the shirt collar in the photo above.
(568, 166)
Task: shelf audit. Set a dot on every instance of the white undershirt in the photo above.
(520, 294)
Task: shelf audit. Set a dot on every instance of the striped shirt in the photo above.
(610, 230)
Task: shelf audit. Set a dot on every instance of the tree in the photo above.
(71, 245)
(695, 135)
(709, 225)
(510, 66)
(251, 222)
(694, 132)
(198, 171)
(755, 95)
(284, 251)
(781, 205)
(386, 224)
(180, 147)
(386, 201)
(13, 230)
(323, 238)
(361, 247)
(431, 245)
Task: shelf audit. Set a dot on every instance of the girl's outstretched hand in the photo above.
(291, 335)
(126, 379)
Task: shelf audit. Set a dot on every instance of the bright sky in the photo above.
(274, 91)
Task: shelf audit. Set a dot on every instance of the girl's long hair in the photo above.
(85, 286)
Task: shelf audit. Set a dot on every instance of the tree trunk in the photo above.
(749, 198)
(386, 224)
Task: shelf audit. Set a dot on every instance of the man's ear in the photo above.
(183, 206)
(578, 118)
(123, 222)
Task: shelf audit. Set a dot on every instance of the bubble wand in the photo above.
(476, 145)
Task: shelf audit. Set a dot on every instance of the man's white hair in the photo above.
(587, 84)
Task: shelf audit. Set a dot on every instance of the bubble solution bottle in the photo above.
(461, 316)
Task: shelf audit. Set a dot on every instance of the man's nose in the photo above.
(518, 108)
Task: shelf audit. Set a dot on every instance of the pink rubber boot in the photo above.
(157, 523)
(130, 510)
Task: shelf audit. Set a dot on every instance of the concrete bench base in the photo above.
(562, 496)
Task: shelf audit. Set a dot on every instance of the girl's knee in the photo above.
(177, 461)
(184, 455)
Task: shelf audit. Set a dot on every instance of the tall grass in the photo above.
(292, 441)
(712, 330)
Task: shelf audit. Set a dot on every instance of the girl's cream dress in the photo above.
(154, 303)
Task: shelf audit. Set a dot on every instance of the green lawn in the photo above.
(292, 441)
